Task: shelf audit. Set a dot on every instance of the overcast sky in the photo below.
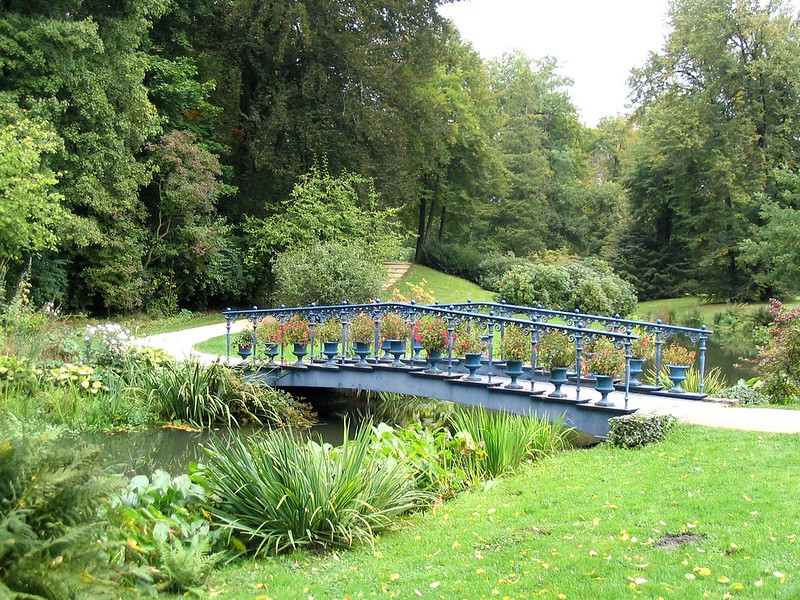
(596, 42)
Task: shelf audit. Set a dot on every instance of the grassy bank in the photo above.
(708, 513)
(445, 288)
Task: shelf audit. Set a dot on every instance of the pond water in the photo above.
(732, 355)
(142, 452)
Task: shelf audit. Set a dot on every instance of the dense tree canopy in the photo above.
(164, 153)
(719, 119)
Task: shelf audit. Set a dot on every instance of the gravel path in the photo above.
(180, 344)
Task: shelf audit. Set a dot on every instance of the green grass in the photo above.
(215, 345)
(149, 326)
(707, 511)
(445, 288)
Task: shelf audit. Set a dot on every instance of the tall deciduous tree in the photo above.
(720, 117)
(541, 146)
(30, 206)
(77, 65)
(323, 78)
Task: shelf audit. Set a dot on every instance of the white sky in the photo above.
(596, 42)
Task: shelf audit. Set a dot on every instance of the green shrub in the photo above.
(401, 410)
(454, 259)
(435, 457)
(745, 394)
(492, 268)
(328, 273)
(278, 493)
(202, 395)
(589, 286)
(51, 493)
(630, 431)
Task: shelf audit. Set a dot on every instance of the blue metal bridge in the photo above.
(408, 370)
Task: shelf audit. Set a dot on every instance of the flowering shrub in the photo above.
(107, 344)
(556, 350)
(645, 346)
(605, 359)
(467, 341)
(675, 354)
(329, 331)
(269, 332)
(779, 364)
(432, 333)
(516, 345)
(362, 328)
(297, 330)
(393, 327)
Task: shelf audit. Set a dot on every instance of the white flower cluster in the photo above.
(108, 341)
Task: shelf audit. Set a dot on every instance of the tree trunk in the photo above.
(423, 209)
(431, 215)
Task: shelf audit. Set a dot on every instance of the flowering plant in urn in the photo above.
(393, 327)
(606, 359)
(297, 330)
(467, 341)
(329, 331)
(432, 333)
(362, 328)
(516, 345)
(243, 339)
(645, 346)
(675, 354)
(269, 331)
(555, 350)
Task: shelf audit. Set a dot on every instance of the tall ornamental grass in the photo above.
(509, 439)
(278, 492)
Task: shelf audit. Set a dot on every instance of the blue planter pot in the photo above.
(271, 350)
(604, 385)
(330, 349)
(514, 370)
(472, 362)
(677, 374)
(245, 352)
(397, 348)
(433, 359)
(386, 346)
(636, 370)
(558, 377)
(416, 348)
(362, 350)
(299, 350)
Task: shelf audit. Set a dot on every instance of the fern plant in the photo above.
(50, 493)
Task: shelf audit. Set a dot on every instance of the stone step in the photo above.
(395, 270)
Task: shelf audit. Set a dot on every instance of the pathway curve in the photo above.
(180, 344)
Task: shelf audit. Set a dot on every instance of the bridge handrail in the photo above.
(661, 330)
(577, 334)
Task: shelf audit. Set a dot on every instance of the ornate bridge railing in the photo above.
(660, 331)
(491, 326)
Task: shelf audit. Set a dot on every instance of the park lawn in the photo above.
(709, 513)
(445, 288)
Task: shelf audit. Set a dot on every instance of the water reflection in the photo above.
(726, 353)
(142, 452)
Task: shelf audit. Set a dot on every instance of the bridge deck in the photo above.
(580, 410)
